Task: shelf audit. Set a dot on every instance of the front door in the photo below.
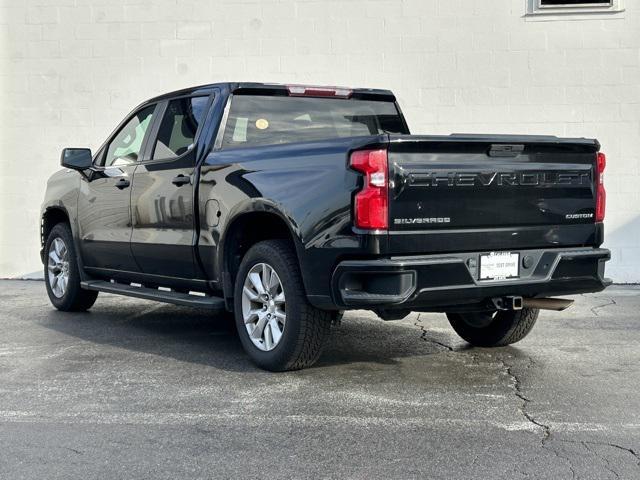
(162, 197)
(104, 213)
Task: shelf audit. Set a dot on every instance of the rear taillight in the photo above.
(371, 206)
(601, 194)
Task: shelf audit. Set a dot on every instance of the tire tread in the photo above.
(526, 320)
(507, 327)
(76, 299)
(314, 324)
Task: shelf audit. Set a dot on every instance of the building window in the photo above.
(563, 3)
(553, 7)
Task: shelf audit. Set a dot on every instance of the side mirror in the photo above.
(76, 158)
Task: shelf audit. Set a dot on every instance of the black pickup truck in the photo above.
(287, 205)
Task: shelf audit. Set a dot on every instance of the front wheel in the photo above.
(277, 326)
(494, 329)
(61, 273)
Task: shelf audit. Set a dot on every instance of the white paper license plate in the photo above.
(499, 265)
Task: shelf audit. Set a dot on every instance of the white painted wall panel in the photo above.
(71, 69)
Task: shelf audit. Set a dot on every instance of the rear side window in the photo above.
(268, 120)
(179, 126)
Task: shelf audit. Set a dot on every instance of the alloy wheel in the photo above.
(263, 306)
(58, 267)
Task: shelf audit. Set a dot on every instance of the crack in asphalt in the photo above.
(423, 336)
(630, 450)
(476, 457)
(584, 443)
(610, 302)
(77, 452)
(606, 460)
(516, 384)
(546, 429)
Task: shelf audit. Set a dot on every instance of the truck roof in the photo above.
(273, 89)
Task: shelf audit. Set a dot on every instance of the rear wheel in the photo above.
(277, 326)
(61, 274)
(494, 329)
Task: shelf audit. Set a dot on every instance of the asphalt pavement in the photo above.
(136, 389)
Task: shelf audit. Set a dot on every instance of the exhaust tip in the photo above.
(556, 304)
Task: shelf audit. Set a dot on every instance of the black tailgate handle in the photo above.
(505, 150)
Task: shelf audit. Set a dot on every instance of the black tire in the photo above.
(306, 328)
(75, 298)
(494, 329)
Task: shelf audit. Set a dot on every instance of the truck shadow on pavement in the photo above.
(195, 336)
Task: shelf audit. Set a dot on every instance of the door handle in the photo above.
(122, 183)
(181, 180)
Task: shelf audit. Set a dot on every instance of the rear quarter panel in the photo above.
(309, 185)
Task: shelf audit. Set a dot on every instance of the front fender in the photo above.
(61, 195)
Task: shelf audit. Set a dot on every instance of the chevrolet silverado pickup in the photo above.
(287, 205)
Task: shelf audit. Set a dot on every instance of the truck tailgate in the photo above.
(474, 192)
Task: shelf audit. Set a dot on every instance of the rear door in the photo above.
(474, 193)
(162, 197)
(104, 214)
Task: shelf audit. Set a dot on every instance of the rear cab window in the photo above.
(270, 120)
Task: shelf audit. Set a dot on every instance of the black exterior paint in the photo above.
(162, 234)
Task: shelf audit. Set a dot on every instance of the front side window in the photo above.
(124, 148)
(179, 127)
(269, 120)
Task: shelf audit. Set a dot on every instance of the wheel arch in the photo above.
(246, 228)
(51, 216)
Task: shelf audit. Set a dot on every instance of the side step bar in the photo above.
(210, 303)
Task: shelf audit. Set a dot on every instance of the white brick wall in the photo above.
(71, 69)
